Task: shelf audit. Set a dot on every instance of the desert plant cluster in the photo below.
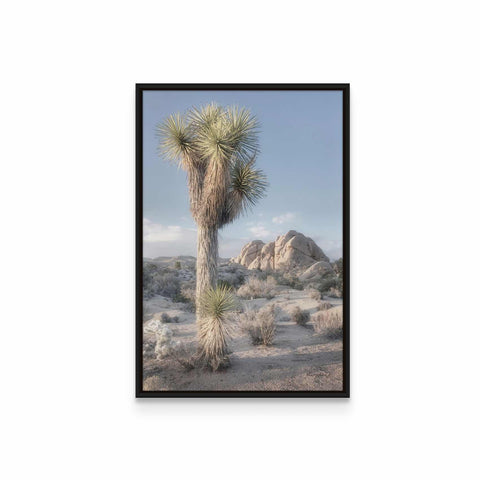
(300, 317)
(259, 325)
(255, 287)
(329, 323)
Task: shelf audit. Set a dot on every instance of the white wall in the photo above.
(67, 257)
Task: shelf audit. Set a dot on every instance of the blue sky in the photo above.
(300, 152)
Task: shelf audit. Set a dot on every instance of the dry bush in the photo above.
(188, 293)
(259, 325)
(231, 277)
(329, 323)
(300, 317)
(184, 355)
(288, 280)
(257, 288)
(324, 306)
(187, 297)
(315, 294)
(166, 318)
(159, 281)
(271, 280)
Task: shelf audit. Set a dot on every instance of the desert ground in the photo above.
(299, 355)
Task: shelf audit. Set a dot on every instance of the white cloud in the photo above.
(167, 240)
(286, 217)
(260, 231)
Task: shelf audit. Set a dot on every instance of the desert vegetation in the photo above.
(217, 147)
(166, 318)
(255, 287)
(159, 280)
(300, 317)
(324, 306)
(329, 323)
(259, 325)
(215, 306)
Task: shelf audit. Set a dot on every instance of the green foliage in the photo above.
(329, 282)
(217, 146)
(215, 328)
(178, 265)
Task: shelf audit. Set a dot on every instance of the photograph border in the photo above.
(140, 88)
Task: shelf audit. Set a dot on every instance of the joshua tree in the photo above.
(217, 147)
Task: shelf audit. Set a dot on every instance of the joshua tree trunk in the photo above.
(207, 255)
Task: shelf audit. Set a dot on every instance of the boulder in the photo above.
(316, 271)
(267, 257)
(249, 253)
(290, 252)
(295, 251)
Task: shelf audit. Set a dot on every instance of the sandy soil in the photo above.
(299, 359)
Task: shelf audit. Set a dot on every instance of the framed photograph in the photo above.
(242, 240)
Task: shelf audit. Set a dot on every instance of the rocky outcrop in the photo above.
(249, 253)
(317, 270)
(290, 252)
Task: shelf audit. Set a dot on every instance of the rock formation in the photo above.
(315, 271)
(290, 252)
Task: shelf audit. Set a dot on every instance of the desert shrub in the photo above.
(159, 281)
(226, 284)
(183, 355)
(329, 324)
(271, 280)
(261, 275)
(215, 326)
(188, 293)
(300, 317)
(330, 282)
(230, 268)
(256, 288)
(166, 318)
(324, 306)
(288, 280)
(187, 296)
(315, 294)
(259, 325)
(231, 278)
(178, 265)
(338, 267)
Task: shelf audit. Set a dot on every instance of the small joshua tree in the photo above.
(217, 147)
(215, 329)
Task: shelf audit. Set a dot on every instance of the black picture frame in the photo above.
(140, 88)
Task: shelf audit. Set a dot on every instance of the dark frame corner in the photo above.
(140, 88)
